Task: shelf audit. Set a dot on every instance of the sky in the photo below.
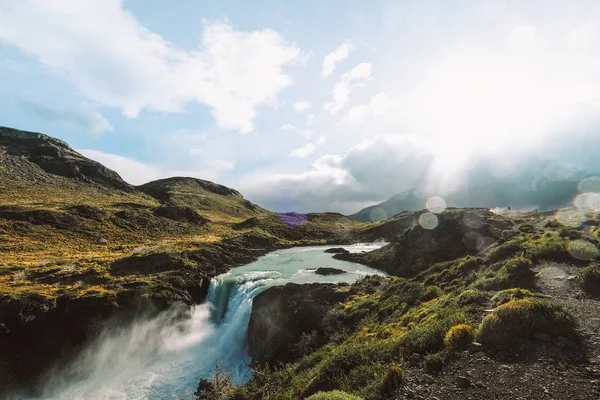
(308, 106)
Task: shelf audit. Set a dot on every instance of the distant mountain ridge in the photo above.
(528, 190)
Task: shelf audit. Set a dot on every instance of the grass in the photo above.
(518, 320)
(504, 296)
(588, 279)
(388, 321)
(459, 337)
(333, 395)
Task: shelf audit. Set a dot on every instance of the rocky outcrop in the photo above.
(282, 315)
(457, 233)
(329, 271)
(54, 157)
(337, 250)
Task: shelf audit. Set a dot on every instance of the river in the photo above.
(165, 357)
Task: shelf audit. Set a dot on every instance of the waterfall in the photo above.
(165, 356)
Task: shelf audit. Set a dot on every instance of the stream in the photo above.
(165, 357)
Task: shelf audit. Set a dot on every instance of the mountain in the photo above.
(406, 201)
(532, 188)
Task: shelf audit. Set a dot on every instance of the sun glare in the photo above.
(482, 101)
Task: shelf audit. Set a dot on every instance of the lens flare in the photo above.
(588, 201)
(570, 216)
(378, 214)
(582, 250)
(428, 220)
(436, 204)
(591, 184)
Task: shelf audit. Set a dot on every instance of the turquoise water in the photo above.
(165, 357)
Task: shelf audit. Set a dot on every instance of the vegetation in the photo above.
(588, 279)
(333, 395)
(504, 296)
(387, 323)
(521, 319)
(459, 337)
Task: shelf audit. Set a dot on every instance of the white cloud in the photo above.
(380, 105)
(301, 106)
(584, 36)
(304, 151)
(82, 117)
(356, 78)
(104, 51)
(522, 38)
(371, 171)
(310, 118)
(321, 140)
(307, 133)
(137, 173)
(339, 54)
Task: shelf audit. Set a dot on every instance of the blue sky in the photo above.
(315, 105)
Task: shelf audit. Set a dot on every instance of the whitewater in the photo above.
(165, 357)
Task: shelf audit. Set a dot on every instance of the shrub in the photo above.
(472, 297)
(459, 337)
(334, 395)
(520, 319)
(393, 378)
(507, 295)
(589, 279)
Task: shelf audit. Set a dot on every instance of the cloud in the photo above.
(379, 106)
(137, 173)
(356, 78)
(339, 54)
(584, 36)
(307, 133)
(310, 118)
(83, 117)
(522, 38)
(301, 106)
(321, 140)
(371, 171)
(304, 151)
(132, 68)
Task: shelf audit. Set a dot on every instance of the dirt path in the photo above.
(527, 375)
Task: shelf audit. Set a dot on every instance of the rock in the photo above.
(541, 337)
(427, 379)
(463, 382)
(509, 234)
(282, 314)
(337, 250)
(329, 271)
(181, 214)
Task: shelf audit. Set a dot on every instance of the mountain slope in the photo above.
(209, 199)
(533, 188)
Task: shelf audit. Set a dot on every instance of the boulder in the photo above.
(329, 271)
(337, 250)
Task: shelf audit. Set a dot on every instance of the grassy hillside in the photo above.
(455, 319)
(78, 244)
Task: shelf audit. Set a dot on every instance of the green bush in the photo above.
(520, 319)
(507, 295)
(459, 337)
(333, 395)
(589, 279)
(472, 297)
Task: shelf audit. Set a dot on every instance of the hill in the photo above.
(79, 245)
(481, 306)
